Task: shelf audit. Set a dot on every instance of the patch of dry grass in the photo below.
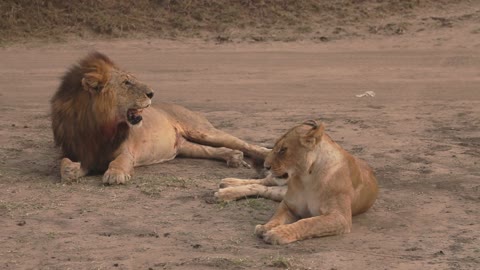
(222, 20)
(154, 185)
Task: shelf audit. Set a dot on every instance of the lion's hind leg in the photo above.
(234, 158)
(252, 190)
(70, 171)
(217, 138)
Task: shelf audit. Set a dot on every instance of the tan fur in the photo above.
(89, 122)
(326, 186)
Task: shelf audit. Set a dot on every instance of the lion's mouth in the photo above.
(134, 116)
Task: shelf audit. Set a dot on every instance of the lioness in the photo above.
(102, 119)
(326, 186)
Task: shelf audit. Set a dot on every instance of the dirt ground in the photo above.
(421, 133)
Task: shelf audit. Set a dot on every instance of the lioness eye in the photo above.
(282, 151)
(127, 82)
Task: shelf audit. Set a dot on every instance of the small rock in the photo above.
(323, 39)
(210, 200)
(21, 223)
(196, 246)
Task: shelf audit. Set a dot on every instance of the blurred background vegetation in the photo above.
(222, 20)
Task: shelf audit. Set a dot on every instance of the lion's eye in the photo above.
(127, 82)
(282, 151)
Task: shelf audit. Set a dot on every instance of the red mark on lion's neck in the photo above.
(109, 130)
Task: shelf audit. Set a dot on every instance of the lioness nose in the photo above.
(150, 95)
(267, 166)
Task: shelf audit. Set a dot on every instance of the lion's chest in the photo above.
(154, 142)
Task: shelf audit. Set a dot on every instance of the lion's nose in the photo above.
(150, 95)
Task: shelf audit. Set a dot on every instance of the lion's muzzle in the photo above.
(134, 116)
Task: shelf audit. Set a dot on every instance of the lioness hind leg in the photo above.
(218, 138)
(233, 182)
(267, 181)
(234, 158)
(70, 171)
(240, 192)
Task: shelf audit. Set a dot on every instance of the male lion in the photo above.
(102, 119)
(326, 186)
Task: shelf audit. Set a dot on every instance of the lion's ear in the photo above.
(314, 135)
(97, 72)
(92, 82)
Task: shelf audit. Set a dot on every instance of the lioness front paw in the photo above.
(70, 171)
(235, 160)
(115, 176)
(260, 230)
(279, 236)
(231, 182)
(225, 195)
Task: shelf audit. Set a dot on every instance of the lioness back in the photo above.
(369, 188)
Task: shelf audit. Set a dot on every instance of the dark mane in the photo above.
(85, 134)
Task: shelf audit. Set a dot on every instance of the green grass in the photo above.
(257, 204)
(280, 262)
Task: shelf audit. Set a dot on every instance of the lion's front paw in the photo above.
(70, 171)
(235, 160)
(115, 176)
(279, 236)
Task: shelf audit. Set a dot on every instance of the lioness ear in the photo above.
(314, 135)
(92, 82)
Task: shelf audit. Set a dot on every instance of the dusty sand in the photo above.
(421, 132)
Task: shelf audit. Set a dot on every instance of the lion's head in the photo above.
(94, 108)
(105, 83)
(293, 150)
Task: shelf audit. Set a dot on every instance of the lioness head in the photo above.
(292, 151)
(107, 84)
